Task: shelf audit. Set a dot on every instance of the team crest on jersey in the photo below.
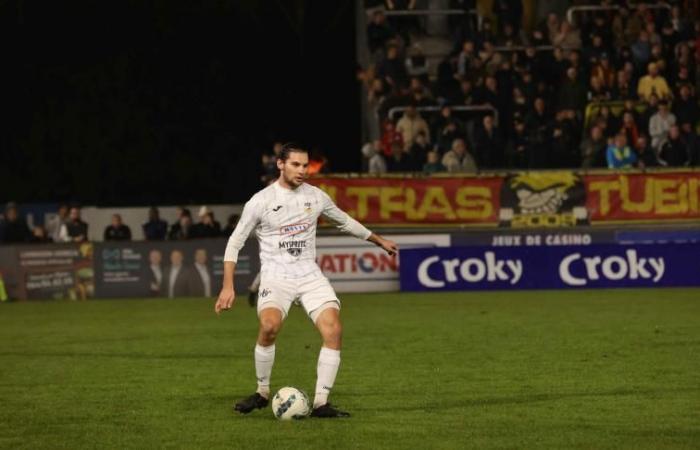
(294, 228)
(307, 207)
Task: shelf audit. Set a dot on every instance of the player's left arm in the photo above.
(351, 226)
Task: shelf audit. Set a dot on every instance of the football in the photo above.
(290, 403)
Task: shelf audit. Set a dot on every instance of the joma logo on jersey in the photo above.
(294, 228)
(294, 248)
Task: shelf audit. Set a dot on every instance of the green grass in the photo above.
(585, 369)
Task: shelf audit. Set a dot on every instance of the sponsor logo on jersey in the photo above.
(578, 270)
(276, 208)
(294, 248)
(294, 228)
(264, 293)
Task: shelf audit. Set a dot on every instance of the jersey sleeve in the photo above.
(250, 217)
(341, 219)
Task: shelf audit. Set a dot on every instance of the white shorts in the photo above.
(314, 292)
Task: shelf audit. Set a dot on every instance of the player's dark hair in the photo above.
(288, 148)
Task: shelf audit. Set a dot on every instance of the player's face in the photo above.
(294, 169)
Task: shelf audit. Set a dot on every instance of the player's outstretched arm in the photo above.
(227, 294)
(389, 246)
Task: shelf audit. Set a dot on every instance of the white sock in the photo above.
(264, 359)
(327, 369)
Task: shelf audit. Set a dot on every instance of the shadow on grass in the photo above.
(524, 399)
(124, 355)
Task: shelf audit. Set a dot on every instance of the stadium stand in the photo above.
(608, 68)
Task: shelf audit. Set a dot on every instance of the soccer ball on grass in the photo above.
(290, 403)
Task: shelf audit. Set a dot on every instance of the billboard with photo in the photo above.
(169, 269)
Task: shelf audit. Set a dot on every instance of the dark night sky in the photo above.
(140, 102)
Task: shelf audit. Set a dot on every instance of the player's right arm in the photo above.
(249, 220)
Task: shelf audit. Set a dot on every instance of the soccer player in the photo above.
(284, 216)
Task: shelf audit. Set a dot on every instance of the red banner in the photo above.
(419, 201)
(520, 200)
(643, 197)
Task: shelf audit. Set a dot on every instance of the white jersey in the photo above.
(285, 223)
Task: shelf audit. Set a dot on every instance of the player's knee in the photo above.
(269, 328)
(332, 330)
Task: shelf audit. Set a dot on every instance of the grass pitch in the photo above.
(576, 369)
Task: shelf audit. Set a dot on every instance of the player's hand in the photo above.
(225, 300)
(389, 246)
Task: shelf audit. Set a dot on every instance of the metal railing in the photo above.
(570, 12)
(430, 12)
(479, 108)
(538, 48)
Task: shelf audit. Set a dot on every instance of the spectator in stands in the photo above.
(182, 229)
(75, 230)
(652, 108)
(410, 124)
(14, 228)
(420, 95)
(373, 155)
(459, 159)
(572, 93)
(231, 223)
(390, 137)
(603, 70)
(597, 91)
(207, 227)
(674, 151)
(400, 159)
(641, 49)
(537, 122)
(623, 88)
(404, 25)
(39, 235)
(519, 150)
(418, 153)
(660, 124)
(629, 127)
(509, 12)
(567, 37)
(646, 155)
(433, 164)
(620, 155)
(417, 64)
(563, 151)
(378, 33)
(156, 228)
(653, 83)
(466, 58)
(270, 171)
(488, 144)
(464, 96)
(685, 107)
(392, 69)
(117, 230)
(693, 142)
(54, 224)
(593, 149)
(449, 133)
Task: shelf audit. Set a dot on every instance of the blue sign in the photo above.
(561, 267)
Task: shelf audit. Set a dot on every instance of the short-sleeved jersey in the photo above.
(284, 221)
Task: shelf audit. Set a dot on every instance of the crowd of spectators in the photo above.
(66, 225)
(617, 89)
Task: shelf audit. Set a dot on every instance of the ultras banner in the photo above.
(416, 201)
(643, 197)
(528, 200)
(592, 266)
